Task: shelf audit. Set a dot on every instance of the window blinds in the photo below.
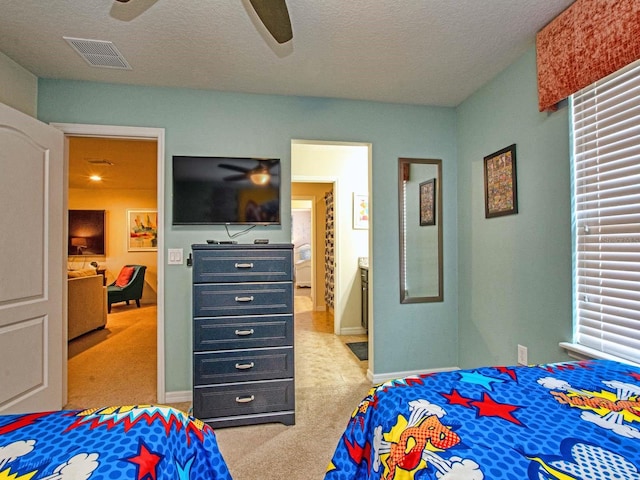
(606, 148)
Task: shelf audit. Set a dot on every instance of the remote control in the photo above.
(212, 241)
(261, 241)
(227, 242)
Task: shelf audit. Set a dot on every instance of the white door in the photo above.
(31, 264)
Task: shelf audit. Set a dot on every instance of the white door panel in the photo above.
(32, 285)
(23, 234)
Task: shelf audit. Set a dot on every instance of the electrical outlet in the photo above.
(522, 355)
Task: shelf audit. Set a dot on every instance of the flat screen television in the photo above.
(86, 232)
(226, 191)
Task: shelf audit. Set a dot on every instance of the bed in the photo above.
(569, 421)
(137, 442)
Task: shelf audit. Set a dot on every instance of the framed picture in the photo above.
(142, 230)
(428, 202)
(500, 193)
(360, 211)
(86, 232)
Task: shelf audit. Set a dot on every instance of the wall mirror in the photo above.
(420, 213)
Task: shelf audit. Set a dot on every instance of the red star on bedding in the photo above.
(454, 398)
(146, 462)
(488, 407)
(509, 371)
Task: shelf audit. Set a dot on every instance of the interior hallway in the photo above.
(321, 356)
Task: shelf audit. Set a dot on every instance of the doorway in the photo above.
(346, 168)
(109, 176)
(343, 168)
(155, 135)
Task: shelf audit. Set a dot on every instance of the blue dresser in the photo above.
(243, 358)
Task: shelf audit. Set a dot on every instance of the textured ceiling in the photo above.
(426, 52)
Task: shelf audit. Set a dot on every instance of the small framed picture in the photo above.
(142, 231)
(500, 192)
(360, 211)
(428, 202)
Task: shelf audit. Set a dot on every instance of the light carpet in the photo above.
(116, 365)
(302, 451)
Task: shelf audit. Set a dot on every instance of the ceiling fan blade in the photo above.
(275, 17)
(235, 168)
(269, 163)
(234, 178)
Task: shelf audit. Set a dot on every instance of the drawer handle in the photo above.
(244, 333)
(244, 299)
(245, 366)
(244, 265)
(245, 399)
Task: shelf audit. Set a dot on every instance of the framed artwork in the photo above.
(142, 230)
(500, 192)
(360, 211)
(428, 202)
(86, 232)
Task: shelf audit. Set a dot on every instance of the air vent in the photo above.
(99, 161)
(98, 53)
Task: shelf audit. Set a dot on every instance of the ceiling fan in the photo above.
(259, 175)
(273, 14)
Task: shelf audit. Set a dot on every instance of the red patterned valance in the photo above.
(588, 41)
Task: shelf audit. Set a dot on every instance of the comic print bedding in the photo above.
(569, 421)
(136, 442)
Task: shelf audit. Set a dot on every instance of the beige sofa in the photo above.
(87, 303)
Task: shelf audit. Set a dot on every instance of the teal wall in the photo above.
(514, 271)
(507, 279)
(406, 337)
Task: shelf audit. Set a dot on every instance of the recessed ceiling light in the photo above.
(95, 178)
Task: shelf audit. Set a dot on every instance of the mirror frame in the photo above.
(401, 168)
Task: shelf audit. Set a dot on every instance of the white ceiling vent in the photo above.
(98, 53)
(99, 161)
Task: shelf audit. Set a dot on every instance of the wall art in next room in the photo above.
(86, 232)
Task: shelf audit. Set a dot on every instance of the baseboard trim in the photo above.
(384, 377)
(178, 397)
(353, 331)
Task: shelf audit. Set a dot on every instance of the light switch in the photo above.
(174, 256)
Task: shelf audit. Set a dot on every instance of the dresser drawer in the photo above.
(243, 398)
(253, 331)
(242, 365)
(213, 299)
(219, 266)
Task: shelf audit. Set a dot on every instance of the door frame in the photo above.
(131, 133)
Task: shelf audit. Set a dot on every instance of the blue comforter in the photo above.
(138, 442)
(569, 421)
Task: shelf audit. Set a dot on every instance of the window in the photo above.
(606, 214)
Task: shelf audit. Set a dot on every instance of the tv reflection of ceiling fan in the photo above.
(260, 175)
(274, 16)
